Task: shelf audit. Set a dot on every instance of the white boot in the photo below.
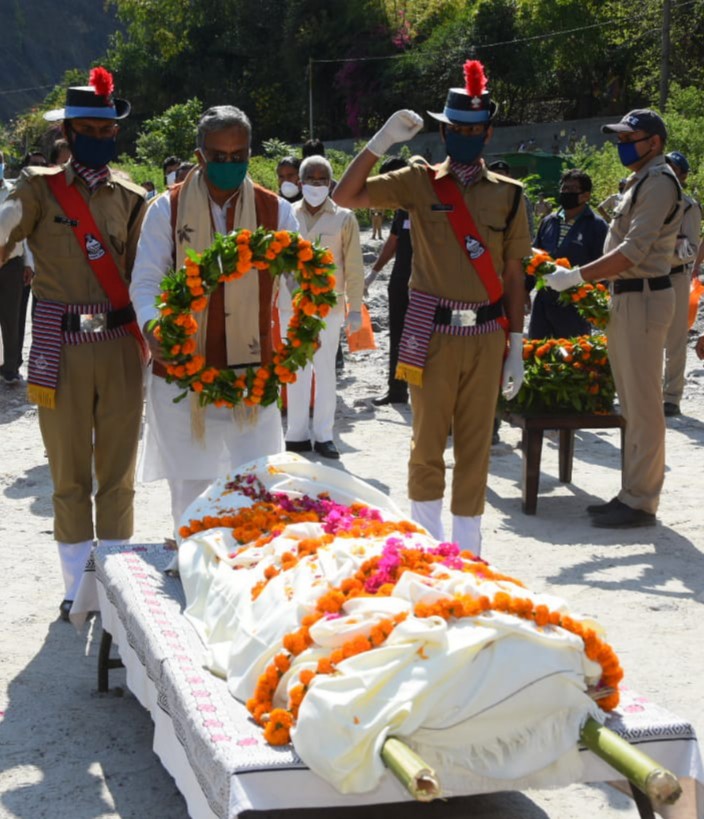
(467, 533)
(74, 557)
(429, 515)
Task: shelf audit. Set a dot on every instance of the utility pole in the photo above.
(310, 98)
(665, 58)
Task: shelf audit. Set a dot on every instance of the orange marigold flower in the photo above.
(199, 304)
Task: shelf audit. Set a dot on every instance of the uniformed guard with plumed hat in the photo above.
(469, 230)
(86, 360)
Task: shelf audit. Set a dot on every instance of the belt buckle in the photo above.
(463, 318)
(93, 322)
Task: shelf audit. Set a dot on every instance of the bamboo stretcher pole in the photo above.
(410, 770)
(657, 783)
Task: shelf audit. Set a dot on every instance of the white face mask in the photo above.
(315, 194)
(171, 178)
(289, 189)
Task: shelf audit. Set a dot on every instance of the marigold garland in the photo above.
(377, 576)
(185, 292)
(566, 375)
(591, 300)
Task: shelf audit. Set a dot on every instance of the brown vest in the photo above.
(267, 209)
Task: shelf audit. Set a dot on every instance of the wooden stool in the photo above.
(533, 427)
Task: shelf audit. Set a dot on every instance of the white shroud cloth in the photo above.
(487, 701)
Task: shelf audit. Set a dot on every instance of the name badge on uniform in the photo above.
(442, 208)
(64, 220)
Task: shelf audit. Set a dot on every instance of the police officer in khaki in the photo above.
(85, 364)
(637, 258)
(680, 275)
(469, 229)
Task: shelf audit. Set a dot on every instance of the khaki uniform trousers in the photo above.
(96, 422)
(676, 342)
(460, 389)
(636, 334)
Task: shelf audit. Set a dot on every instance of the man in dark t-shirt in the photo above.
(398, 245)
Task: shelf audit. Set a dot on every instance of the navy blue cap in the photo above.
(676, 158)
(640, 119)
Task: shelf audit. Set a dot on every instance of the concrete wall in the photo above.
(508, 138)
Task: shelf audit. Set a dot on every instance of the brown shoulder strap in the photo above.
(174, 194)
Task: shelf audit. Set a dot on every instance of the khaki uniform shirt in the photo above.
(62, 272)
(640, 232)
(440, 265)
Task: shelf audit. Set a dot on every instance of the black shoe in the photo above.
(64, 609)
(624, 517)
(298, 446)
(11, 379)
(390, 398)
(327, 449)
(671, 410)
(602, 508)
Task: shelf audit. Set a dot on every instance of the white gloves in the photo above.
(513, 367)
(354, 321)
(563, 278)
(10, 217)
(685, 249)
(399, 127)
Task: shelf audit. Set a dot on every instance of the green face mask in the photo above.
(227, 176)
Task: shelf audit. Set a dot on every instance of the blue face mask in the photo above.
(227, 176)
(628, 153)
(2, 170)
(91, 152)
(464, 149)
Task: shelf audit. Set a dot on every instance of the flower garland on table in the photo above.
(566, 375)
(185, 292)
(591, 300)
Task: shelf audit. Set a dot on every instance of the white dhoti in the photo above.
(170, 450)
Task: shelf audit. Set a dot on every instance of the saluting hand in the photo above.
(399, 127)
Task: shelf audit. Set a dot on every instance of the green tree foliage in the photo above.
(170, 133)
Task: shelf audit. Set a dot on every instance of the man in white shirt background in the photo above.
(335, 228)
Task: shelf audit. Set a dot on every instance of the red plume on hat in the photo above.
(474, 78)
(101, 80)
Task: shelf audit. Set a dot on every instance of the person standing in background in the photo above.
(686, 248)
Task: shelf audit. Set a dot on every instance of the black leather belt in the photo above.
(467, 317)
(679, 269)
(637, 285)
(97, 322)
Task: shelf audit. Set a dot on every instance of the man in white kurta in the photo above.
(217, 196)
(335, 228)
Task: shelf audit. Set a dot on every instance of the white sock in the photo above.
(429, 515)
(74, 557)
(467, 533)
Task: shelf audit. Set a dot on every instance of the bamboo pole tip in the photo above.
(426, 787)
(662, 787)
